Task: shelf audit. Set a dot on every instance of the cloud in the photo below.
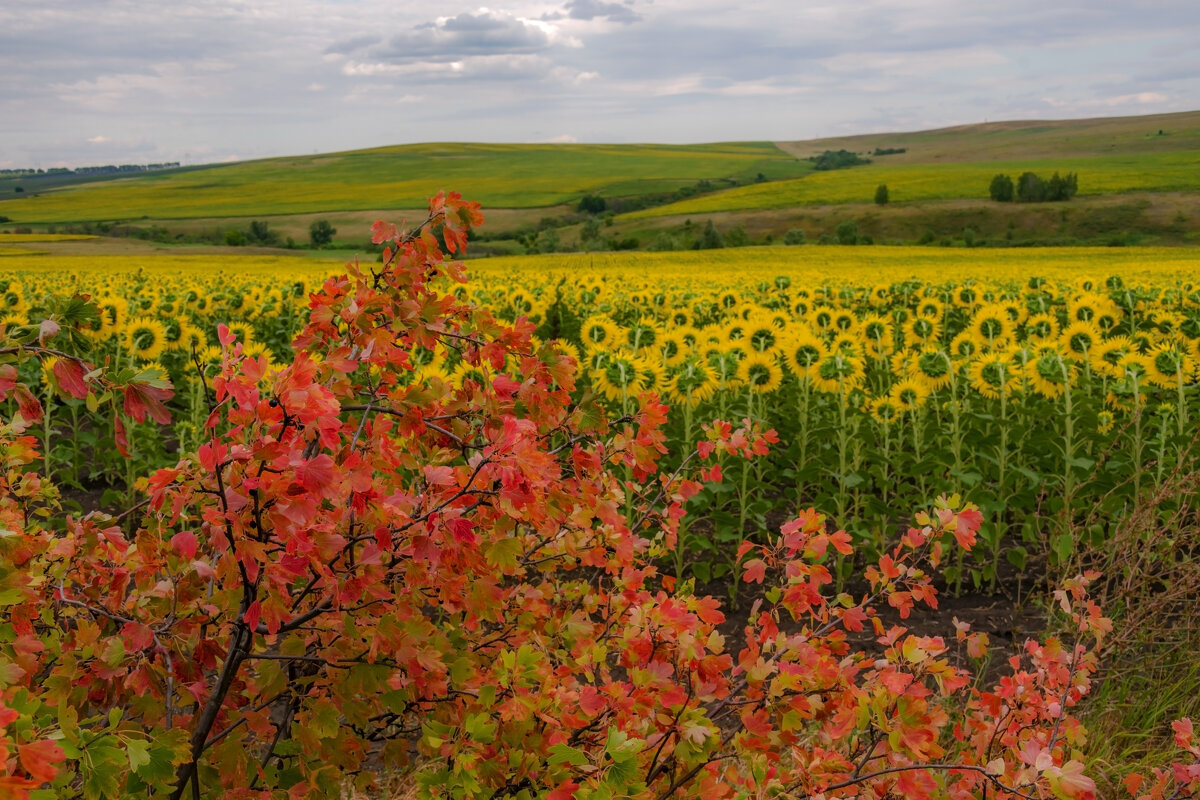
(598, 9)
(469, 34)
(99, 139)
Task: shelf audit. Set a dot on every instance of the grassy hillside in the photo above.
(1027, 139)
(506, 176)
(1098, 175)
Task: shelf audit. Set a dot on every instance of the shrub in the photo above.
(362, 561)
(794, 236)
(1001, 189)
(881, 195)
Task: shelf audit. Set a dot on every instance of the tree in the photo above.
(710, 238)
(592, 204)
(321, 233)
(793, 236)
(1030, 189)
(847, 232)
(591, 234)
(1001, 189)
(260, 233)
(881, 195)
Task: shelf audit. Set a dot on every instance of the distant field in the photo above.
(506, 176)
(17, 238)
(1155, 172)
(813, 266)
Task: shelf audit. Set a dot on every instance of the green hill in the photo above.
(402, 177)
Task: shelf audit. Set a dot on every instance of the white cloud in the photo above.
(99, 139)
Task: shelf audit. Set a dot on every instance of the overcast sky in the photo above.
(134, 81)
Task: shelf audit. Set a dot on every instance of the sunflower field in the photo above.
(1051, 389)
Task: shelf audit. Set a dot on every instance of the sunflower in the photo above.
(1106, 355)
(992, 322)
(922, 330)
(886, 410)
(878, 334)
(672, 348)
(145, 338)
(930, 307)
(838, 373)
(1169, 364)
(763, 335)
(931, 367)
(651, 374)
(845, 322)
(991, 374)
(1079, 339)
(820, 319)
(761, 372)
(804, 351)
(1049, 373)
(965, 345)
(909, 394)
(1105, 422)
(619, 378)
(599, 333)
(1041, 328)
(691, 382)
(640, 336)
(880, 295)
(679, 317)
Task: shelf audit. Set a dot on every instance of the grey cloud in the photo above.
(346, 46)
(598, 9)
(467, 34)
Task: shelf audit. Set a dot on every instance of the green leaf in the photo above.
(103, 771)
(564, 754)
(482, 728)
(138, 751)
(503, 553)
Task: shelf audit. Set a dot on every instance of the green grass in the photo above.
(402, 177)
(1154, 172)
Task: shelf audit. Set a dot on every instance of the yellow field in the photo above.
(816, 266)
(17, 238)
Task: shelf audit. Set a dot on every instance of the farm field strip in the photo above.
(1159, 172)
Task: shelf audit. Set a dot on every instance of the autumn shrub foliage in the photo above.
(363, 570)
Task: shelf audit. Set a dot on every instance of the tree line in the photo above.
(1031, 188)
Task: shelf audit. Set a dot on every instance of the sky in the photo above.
(89, 82)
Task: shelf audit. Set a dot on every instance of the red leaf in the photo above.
(252, 615)
(184, 544)
(137, 636)
(565, 791)
(38, 759)
(756, 570)
(316, 474)
(142, 399)
(29, 406)
(119, 437)
(383, 232)
(757, 722)
(69, 373)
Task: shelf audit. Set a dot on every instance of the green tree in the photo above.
(793, 236)
(592, 204)
(881, 195)
(847, 232)
(321, 233)
(711, 238)
(261, 233)
(1001, 189)
(1030, 189)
